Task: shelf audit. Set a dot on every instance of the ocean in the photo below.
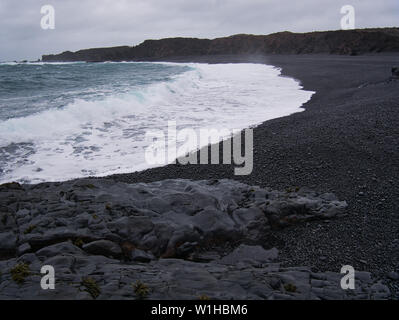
(60, 121)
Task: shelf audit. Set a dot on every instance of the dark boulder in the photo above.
(103, 247)
(395, 72)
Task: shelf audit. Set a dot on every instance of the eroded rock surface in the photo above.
(179, 239)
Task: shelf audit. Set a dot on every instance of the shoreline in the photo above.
(344, 142)
(338, 144)
(245, 78)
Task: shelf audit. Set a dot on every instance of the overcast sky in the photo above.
(83, 24)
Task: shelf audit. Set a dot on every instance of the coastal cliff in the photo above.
(346, 42)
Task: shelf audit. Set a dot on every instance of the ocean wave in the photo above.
(37, 63)
(106, 136)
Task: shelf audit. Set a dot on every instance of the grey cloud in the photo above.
(92, 23)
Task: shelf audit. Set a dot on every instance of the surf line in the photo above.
(163, 148)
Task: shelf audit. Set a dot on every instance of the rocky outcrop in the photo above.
(350, 42)
(170, 218)
(173, 239)
(82, 276)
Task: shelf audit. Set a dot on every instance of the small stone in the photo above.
(8, 241)
(275, 283)
(393, 275)
(141, 256)
(186, 248)
(24, 248)
(395, 72)
(22, 213)
(381, 289)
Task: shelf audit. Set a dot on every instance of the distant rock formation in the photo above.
(347, 42)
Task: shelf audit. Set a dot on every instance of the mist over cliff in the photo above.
(352, 42)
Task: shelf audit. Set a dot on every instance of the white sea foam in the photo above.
(40, 63)
(106, 136)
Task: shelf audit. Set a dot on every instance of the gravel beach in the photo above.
(345, 142)
(322, 194)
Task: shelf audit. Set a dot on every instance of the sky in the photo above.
(81, 24)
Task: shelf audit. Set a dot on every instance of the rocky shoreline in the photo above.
(172, 239)
(345, 143)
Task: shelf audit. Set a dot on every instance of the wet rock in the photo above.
(8, 241)
(395, 72)
(103, 247)
(118, 234)
(393, 275)
(141, 256)
(11, 186)
(186, 248)
(177, 278)
(379, 291)
(205, 256)
(7, 221)
(251, 254)
(59, 248)
(23, 248)
(163, 217)
(22, 213)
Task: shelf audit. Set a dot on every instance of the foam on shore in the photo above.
(106, 136)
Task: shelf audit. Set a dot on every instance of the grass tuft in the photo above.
(290, 287)
(29, 229)
(78, 242)
(141, 290)
(19, 272)
(91, 287)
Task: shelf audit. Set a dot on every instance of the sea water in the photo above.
(60, 121)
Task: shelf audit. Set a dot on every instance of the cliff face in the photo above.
(332, 42)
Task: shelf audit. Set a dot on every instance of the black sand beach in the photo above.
(180, 239)
(345, 142)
